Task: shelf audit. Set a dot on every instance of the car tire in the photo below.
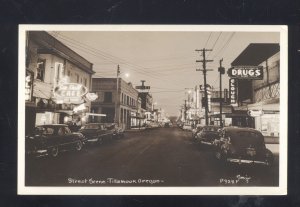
(78, 145)
(100, 140)
(53, 151)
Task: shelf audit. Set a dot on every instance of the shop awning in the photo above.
(41, 89)
(93, 114)
(137, 117)
(256, 53)
(267, 105)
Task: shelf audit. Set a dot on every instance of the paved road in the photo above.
(157, 157)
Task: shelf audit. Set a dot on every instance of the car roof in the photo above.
(52, 125)
(234, 129)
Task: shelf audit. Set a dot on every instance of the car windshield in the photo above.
(210, 129)
(246, 139)
(91, 126)
(44, 130)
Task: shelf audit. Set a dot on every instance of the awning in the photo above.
(137, 117)
(41, 89)
(267, 105)
(93, 114)
(256, 53)
(69, 112)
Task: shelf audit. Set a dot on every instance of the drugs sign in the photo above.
(246, 72)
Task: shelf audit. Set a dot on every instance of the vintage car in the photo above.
(208, 134)
(187, 127)
(196, 130)
(115, 130)
(96, 133)
(51, 139)
(242, 146)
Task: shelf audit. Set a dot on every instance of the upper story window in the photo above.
(59, 68)
(107, 97)
(77, 78)
(85, 82)
(40, 70)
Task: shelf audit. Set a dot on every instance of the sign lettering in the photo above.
(246, 72)
(69, 93)
(232, 91)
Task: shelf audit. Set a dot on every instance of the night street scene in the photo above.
(151, 109)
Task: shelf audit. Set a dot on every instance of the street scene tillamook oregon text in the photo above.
(136, 109)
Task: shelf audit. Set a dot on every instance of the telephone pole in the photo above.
(117, 96)
(221, 71)
(204, 70)
(185, 109)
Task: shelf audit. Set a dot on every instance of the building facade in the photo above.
(48, 63)
(259, 100)
(117, 100)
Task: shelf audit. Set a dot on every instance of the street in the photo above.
(154, 157)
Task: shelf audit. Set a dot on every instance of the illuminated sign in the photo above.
(246, 72)
(69, 93)
(28, 83)
(232, 90)
(142, 87)
(255, 113)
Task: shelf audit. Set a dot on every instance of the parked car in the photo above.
(243, 146)
(196, 130)
(187, 127)
(51, 139)
(115, 130)
(208, 135)
(96, 132)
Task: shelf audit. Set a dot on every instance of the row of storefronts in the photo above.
(57, 83)
(59, 88)
(253, 98)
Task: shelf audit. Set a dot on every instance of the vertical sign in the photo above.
(28, 86)
(225, 95)
(232, 90)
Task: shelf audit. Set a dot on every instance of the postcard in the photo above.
(152, 110)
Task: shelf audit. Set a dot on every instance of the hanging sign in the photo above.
(255, 113)
(69, 93)
(246, 72)
(232, 90)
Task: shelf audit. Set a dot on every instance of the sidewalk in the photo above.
(135, 129)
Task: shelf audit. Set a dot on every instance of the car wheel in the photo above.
(78, 146)
(53, 151)
(100, 140)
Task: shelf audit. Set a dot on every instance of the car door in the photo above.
(69, 136)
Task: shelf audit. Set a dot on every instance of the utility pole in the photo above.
(117, 96)
(221, 71)
(185, 109)
(204, 70)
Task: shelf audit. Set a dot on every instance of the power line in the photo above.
(95, 53)
(213, 47)
(225, 45)
(208, 39)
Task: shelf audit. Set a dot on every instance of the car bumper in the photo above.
(245, 161)
(206, 142)
(92, 140)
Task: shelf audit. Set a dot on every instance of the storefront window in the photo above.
(40, 71)
(107, 97)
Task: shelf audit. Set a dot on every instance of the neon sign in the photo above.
(69, 93)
